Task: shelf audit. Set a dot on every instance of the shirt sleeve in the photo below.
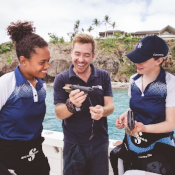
(60, 95)
(170, 98)
(45, 86)
(7, 85)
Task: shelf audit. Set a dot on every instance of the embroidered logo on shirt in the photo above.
(97, 87)
(139, 45)
(31, 155)
(139, 139)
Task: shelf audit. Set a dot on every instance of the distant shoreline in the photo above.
(115, 85)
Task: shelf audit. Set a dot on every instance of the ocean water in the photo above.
(121, 101)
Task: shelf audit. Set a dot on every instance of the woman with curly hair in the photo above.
(22, 104)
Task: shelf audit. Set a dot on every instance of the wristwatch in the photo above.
(78, 108)
(71, 107)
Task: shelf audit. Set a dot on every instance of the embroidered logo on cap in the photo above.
(140, 45)
(158, 55)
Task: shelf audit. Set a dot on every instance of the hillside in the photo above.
(110, 56)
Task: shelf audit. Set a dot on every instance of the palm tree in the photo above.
(90, 29)
(113, 26)
(71, 35)
(97, 23)
(106, 21)
(76, 26)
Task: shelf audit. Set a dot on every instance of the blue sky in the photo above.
(59, 16)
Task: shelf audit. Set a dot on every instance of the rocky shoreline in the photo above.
(115, 85)
(120, 85)
(114, 62)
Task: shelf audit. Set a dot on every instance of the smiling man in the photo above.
(84, 115)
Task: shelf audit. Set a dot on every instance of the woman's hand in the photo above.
(139, 127)
(121, 121)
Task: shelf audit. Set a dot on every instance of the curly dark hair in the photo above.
(22, 33)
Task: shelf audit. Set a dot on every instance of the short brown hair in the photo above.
(84, 38)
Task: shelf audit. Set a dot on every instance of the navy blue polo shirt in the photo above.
(78, 127)
(22, 107)
(149, 107)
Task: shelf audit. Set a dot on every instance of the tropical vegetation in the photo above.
(5, 47)
(108, 45)
(55, 39)
(106, 21)
(96, 23)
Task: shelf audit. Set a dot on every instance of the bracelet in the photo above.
(70, 106)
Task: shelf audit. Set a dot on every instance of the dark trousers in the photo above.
(24, 158)
(96, 158)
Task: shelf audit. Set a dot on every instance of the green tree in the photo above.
(55, 39)
(128, 35)
(113, 25)
(76, 26)
(128, 41)
(71, 35)
(90, 29)
(117, 35)
(97, 23)
(106, 21)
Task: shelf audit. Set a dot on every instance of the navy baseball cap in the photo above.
(148, 47)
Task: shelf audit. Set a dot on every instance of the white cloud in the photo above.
(59, 16)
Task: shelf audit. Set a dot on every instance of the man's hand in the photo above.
(96, 112)
(77, 97)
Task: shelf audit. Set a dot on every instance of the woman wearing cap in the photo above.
(152, 97)
(22, 104)
(152, 92)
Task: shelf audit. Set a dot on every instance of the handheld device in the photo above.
(131, 120)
